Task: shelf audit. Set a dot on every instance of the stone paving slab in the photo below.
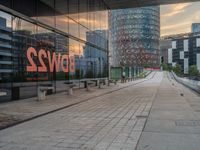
(17, 111)
(111, 121)
(173, 123)
(169, 141)
(173, 126)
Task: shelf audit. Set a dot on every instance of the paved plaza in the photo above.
(155, 113)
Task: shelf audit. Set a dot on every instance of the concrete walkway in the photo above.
(158, 114)
(174, 120)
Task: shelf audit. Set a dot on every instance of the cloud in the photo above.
(172, 13)
(182, 6)
(177, 18)
(175, 9)
(182, 27)
(172, 26)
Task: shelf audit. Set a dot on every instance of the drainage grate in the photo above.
(188, 123)
(142, 116)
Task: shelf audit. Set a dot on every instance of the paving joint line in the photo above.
(148, 115)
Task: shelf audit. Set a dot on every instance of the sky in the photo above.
(178, 18)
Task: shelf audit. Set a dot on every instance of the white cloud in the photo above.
(175, 9)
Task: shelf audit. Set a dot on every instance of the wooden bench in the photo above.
(112, 81)
(70, 86)
(42, 90)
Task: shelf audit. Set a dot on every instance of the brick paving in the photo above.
(18, 111)
(111, 121)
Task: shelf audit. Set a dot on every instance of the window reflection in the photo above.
(73, 9)
(73, 28)
(83, 19)
(46, 12)
(23, 38)
(5, 54)
(62, 23)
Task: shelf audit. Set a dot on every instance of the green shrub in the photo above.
(193, 71)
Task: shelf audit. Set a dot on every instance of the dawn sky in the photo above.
(177, 18)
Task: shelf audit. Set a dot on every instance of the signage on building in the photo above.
(49, 61)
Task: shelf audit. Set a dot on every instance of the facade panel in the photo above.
(185, 46)
(170, 56)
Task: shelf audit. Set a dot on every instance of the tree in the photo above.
(193, 71)
(166, 67)
(146, 65)
(177, 69)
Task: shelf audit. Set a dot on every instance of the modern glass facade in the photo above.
(134, 39)
(51, 41)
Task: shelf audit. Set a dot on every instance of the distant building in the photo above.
(134, 36)
(93, 63)
(195, 27)
(5, 50)
(185, 51)
(165, 44)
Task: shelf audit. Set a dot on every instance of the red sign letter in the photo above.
(53, 62)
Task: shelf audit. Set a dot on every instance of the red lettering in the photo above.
(64, 62)
(32, 67)
(53, 62)
(72, 64)
(65, 69)
(43, 67)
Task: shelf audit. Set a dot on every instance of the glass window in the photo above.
(83, 32)
(62, 23)
(75, 53)
(5, 55)
(45, 40)
(21, 6)
(62, 48)
(46, 12)
(73, 28)
(61, 8)
(83, 12)
(23, 40)
(73, 10)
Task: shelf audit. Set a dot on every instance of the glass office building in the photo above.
(134, 39)
(51, 41)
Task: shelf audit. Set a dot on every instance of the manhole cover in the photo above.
(187, 123)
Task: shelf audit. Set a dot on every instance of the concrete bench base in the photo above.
(41, 92)
(102, 82)
(112, 81)
(88, 86)
(70, 89)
